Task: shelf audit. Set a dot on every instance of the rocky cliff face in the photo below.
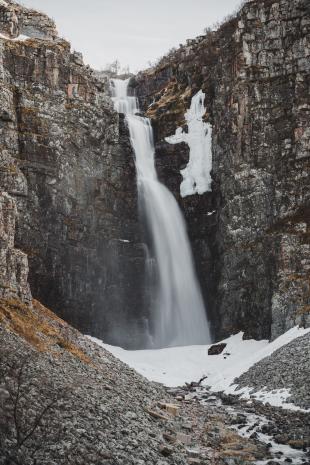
(13, 262)
(253, 252)
(67, 175)
(67, 162)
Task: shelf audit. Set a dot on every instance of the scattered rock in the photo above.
(216, 349)
(155, 414)
(166, 451)
(184, 438)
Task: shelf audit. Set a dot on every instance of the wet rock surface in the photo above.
(274, 434)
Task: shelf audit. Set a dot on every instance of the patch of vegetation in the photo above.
(39, 327)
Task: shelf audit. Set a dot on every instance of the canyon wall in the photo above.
(251, 234)
(66, 163)
(68, 203)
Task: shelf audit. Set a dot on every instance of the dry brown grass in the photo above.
(10, 168)
(304, 310)
(46, 312)
(39, 327)
(245, 454)
(173, 100)
(298, 277)
(17, 317)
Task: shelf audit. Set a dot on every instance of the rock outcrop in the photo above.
(66, 160)
(13, 262)
(16, 21)
(251, 234)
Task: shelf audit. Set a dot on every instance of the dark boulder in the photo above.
(216, 349)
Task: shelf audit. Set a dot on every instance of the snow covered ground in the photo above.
(177, 365)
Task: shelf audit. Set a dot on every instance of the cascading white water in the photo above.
(179, 313)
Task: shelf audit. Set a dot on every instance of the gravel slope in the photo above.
(286, 368)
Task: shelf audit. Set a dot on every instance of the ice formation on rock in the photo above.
(197, 174)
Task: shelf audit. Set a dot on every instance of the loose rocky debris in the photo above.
(288, 368)
(274, 435)
(65, 400)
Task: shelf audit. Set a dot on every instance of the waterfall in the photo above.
(178, 313)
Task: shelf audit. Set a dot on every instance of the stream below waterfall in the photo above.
(257, 426)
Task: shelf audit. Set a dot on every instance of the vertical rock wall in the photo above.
(67, 166)
(66, 160)
(13, 262)
(253, 252)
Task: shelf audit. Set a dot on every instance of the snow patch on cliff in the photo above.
(20, 38)
(197, 174)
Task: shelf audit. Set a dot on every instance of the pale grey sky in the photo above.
(133, 31)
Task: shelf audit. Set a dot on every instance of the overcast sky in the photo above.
(133, 31)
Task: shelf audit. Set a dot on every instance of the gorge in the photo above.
(76, 189)
(162, 210)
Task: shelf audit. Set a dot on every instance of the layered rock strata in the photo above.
(251, 234)
(66, 160)
(67, 163)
